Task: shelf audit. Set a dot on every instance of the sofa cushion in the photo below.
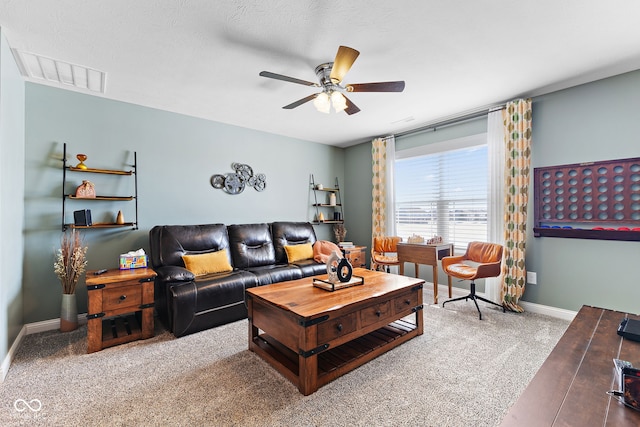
(169, 242)
(268, 274)
(286, 233)
(298, 252)
(251, 245)
(207, 263)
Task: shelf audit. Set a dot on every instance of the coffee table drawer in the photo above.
(375, 313)
(406, 302)
(334, 328)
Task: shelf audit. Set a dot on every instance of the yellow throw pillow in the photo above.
(299, 252)
(211, 262)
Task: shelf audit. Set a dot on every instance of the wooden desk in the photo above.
(570, 387)
(420, 253)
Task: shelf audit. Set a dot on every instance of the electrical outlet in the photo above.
(532, 278)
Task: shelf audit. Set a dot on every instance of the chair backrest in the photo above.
(386, 244)
(484, 252)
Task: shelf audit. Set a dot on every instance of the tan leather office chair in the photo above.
(384, 252)
(479, 261)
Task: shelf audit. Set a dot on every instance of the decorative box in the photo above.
(132, 261)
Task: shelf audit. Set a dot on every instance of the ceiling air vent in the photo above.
(37, 67)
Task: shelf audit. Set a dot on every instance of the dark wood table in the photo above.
(421, 253)
(312, 336)
(570, 387)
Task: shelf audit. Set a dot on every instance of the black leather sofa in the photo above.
(186, 303)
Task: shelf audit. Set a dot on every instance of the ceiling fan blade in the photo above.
(377, 87)
(345, 58)
(300, 101)
(351, 107)
(286, 78)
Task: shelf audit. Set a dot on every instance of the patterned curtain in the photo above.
(517, 127)
(383, 155)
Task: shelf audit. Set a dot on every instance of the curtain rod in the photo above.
(453, 121)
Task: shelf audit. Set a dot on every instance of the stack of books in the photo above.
(346, 245)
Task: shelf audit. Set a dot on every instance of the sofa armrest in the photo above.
(173, 273)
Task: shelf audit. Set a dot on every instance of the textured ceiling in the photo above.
(202, 57)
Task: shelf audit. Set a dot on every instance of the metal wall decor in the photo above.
(235, 182)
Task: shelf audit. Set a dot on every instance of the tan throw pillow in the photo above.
(299, 252)
(211, 262)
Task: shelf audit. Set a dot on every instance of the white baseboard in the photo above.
(559, 313)
(31, 328)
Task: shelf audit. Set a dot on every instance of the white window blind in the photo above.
(443, 193)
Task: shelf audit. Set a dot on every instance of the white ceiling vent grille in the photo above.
(39, 67)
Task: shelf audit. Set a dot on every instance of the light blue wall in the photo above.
(176, 154)
(12, 148)
(591, 122)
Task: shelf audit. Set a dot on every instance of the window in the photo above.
(441, 189)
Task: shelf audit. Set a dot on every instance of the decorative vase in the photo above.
(68, 313)
(332, 199)
(332, 266)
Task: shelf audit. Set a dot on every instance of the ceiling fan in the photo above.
(330, 75)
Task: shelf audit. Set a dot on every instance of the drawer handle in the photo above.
(339, 327)
(407, 301)
(123, 297)
(378, 313)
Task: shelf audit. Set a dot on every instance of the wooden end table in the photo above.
(120, 307)
(356, 256)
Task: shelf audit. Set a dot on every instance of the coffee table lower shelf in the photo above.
(335, 362)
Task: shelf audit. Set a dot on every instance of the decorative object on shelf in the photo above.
(235, 182)
(320, 217)
(86, 190)
(414, 238)
(435, 240)
(319, 187)
(120, 218)
(340, 231)
(81, 158)
(332, 199)
(332, 266)
(69, 265)
(82, 218)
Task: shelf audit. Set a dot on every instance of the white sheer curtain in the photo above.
(495, 210)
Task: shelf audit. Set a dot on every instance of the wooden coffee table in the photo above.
(312, 336)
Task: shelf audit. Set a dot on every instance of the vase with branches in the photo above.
(340, 232)
(70, 264)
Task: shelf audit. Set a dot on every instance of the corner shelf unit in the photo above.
(67, 196)
(324, 208)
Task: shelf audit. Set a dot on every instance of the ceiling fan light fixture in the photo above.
(322, 103)
(338, 101)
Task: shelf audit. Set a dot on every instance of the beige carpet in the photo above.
(461, 372)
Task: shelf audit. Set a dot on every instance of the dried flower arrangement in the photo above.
(71, 261)
(340, 232)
